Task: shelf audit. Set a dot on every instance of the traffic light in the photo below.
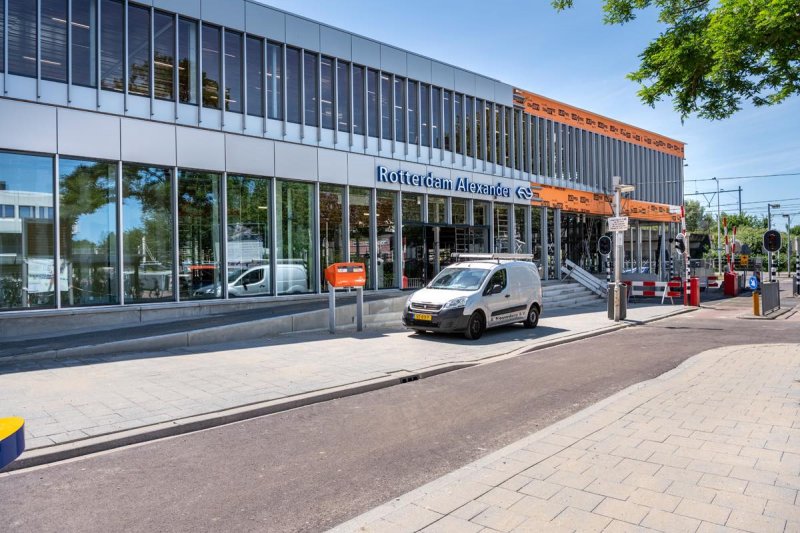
(604, 245)
(772, 240)
(680, 243)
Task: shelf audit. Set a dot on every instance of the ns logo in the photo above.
(524, 193)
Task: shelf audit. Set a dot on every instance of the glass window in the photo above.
(459, 114)
(27, 247)
(255, 76)
(373, 111)
(412, 207)
(275, 81)
(436, 117)
(187, 61)
(27, 211)
(468, 121)
(233, 71)
(501, 236)
(478, 129)
(498, 135)
(199, 235)
(480, 213)
(343, 95)
(448, 121)
(22, 37)
(458, 207)
(437, 209)
(399, 109)
(386, 106)
(425, 114)
(358, 100)
(54, 40)
(326, 98)
(294, 203)
(413, 124)
(164, 55)
(212, 37)
(2, 36)
(293, 66)
(6, 211)
(360, 242)
(138, 50)
(507, 125)
(112, 45)
(520, 236)
(88, 219)
(487, 126)
(386, 208)
(46, 212)
(147, 234)
(248, 246)
(332, 237)
(310, 78)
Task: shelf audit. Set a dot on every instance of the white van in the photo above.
(255, 281)
(475, 295)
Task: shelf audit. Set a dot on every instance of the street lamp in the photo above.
(769, 227)
(788, 243)
(619, 188)
(719, 249)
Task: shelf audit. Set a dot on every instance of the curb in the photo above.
(78, 448)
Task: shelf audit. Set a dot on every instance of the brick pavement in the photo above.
(713, 445)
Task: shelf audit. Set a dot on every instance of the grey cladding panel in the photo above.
(503, 93)
(484, 88)
(442, 75)
(366, 52)
(265, 21)
(229, 13)
(334, 42)
(464, 81)
(393, 60)
(419, 68)
(302, 33)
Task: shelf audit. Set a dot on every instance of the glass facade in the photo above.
(112, 45)
(293, 85)
(255, 76)
(360, 206)
(311, 87)
(437, 209)
(386, 213)
(248, 241)
(275, 81)
(458, 208)
(138, 50)
(164, 55)
(212, 65)
(84, 42)
(332, 238)
(358, 100)
(54, 40)
(199, 239)
(327, 98)
(294, 205)
(187, 61)
(234, 72)
(343, 95)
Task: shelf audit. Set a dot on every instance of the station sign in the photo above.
(618, 224)
(458, 184)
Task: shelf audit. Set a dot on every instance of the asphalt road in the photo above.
(314, 467)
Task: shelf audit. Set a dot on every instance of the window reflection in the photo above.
(327, 92)
(293, 85)
(211, 66)
(501, 229)
(425, 114)
(233, 71)
(22, 37)
(360, 245)
(448, 120)
(310, 77)
(53, 40)
(373, 106)
(413, 95)
(343, 95)
(255, 76)
(436, 117)
(138, 50)
(458, 118)
(458, 208)
(412, 207)
(332, 236)
(248, 236)
(358, 100)
(385, 214)
(294, 254)
(187, 60)
(386, 106)
(399, 109)
(164, 55)
(437, 209)
(275, 81)
(199, 235)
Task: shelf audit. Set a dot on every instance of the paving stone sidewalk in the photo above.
(713, 445)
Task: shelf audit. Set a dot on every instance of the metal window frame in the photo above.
(152, 58)
(57, 229)
(176, 257)
(223, 233)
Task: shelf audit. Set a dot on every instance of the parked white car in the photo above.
(254, 281)
(472, 296)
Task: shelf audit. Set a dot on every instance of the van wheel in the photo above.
(476, 326)
(533, 317)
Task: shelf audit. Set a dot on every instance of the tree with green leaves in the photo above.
(713, 57)
(698, 220)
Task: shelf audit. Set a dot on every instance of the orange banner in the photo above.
(586, 120)
(600, 204)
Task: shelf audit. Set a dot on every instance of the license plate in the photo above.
(418, 316)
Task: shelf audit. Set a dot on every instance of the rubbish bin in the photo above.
(731, 284)
(623, 300)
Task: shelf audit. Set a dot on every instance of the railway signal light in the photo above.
(680, 243)
(772, 240)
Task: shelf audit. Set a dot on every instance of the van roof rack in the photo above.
(494, 257)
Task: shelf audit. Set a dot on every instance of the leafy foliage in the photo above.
(714, 56)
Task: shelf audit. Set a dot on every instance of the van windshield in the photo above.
(462, 279)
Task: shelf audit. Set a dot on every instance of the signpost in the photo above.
(617, 223)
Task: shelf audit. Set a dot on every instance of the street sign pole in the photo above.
(618, 253)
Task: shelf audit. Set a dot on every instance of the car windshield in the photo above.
(462, 279)
(234, 273)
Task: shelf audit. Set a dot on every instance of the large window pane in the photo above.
(54, 40)
(22, 37)
(199, 235)
(458, 208)
(437, 206)
(343, 95)
(84, 42)
(360, 245)
(508, 124)
(425, 114)
(498, 132)
(310, 78)
(88, 221)
(2, 35)
(147, 234)
(478, 129)
(138, 50)
(164, 55)
(386, 106)
(358, 100)
(327, 92)
(255, 76)
(293, 86)
(275, 81)
(233, 71)
(212, 37)
(386, 208)
(501, 233)
(332, 237)
(294, 204)
(458, 118)
(248, 236)
(487, 126)
(436, 117)
(187, 61)
(399, 109)
(112, 45)
(448, 120)
(412, 207)
(26, 242)
(468, 121)
(480, 213)
(373, 108)
(412, 112)
(520, 235)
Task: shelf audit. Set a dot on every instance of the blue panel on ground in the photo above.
(12, 439)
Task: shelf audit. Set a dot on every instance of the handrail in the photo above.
(584, 278)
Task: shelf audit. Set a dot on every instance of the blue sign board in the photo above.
(752, 282)
(462, 184)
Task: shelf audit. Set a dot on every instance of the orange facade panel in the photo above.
(600, 204)
(567, 114)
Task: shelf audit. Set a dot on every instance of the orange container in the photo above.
(342, 275)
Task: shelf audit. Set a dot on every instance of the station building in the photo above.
(150, 150)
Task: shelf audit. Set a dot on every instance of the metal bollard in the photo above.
(756, 304)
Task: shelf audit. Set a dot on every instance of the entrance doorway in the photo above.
(427, 248)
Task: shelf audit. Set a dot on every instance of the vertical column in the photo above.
(544, 237)
(398, 242)
(176, 258)
(273, 234)
(57, 230)
(223, 234)
(557, 243)
(119, 242)
(373, 237)
(314, 252)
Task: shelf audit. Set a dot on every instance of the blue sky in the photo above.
(574, 58)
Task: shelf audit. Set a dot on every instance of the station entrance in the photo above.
(427, 248)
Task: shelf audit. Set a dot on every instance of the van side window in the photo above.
(498, 277)
(252, 277)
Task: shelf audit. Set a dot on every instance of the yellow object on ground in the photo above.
(12, 439)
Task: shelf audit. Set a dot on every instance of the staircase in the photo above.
(560, 294)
